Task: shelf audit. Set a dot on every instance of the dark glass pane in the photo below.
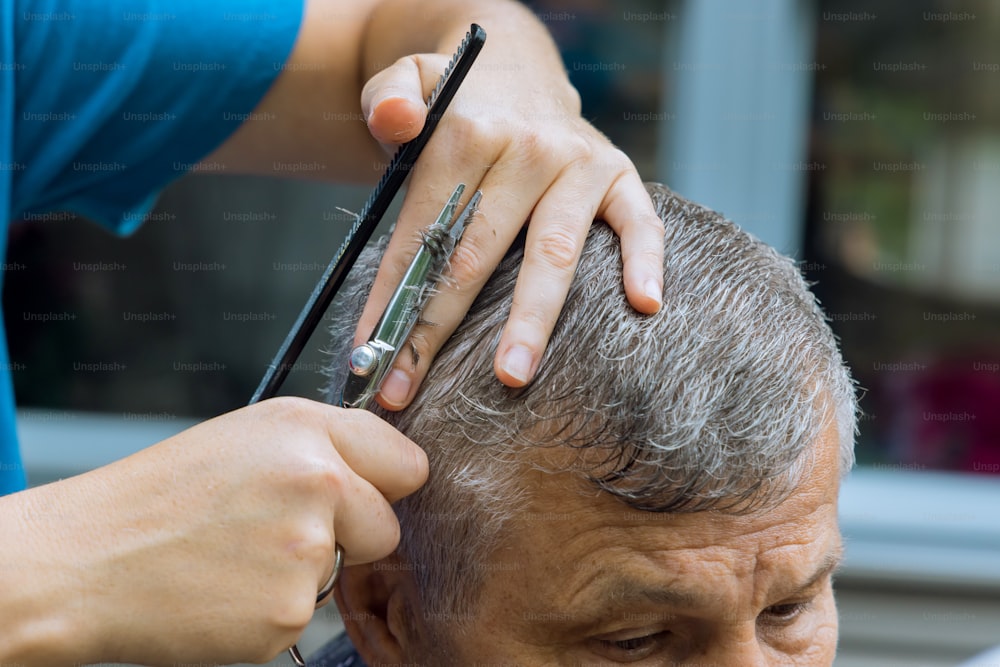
(904, 235)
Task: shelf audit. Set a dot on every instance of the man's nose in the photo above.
(739, 647)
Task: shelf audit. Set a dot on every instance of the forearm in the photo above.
(311, 122)
(39, 597)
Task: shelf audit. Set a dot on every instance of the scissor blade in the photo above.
(445, 218)
(464, 217)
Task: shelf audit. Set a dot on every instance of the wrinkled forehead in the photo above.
(565, 520)
(584, 464)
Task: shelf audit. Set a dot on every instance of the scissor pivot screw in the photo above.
(363, 360)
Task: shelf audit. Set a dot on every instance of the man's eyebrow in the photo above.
(624, 590)
(831, 562)
(628, 591)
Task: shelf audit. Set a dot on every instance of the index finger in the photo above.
(552, 249)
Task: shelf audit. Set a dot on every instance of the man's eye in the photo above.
(784, 614)
(629, 649)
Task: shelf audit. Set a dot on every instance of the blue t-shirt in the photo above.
(104, 103)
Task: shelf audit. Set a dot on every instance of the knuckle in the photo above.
(610, 164)
(651, 254)
(475, 130)
(532, 316)
(654, 226)
(531, 142)
(313, 542)
(579, 147)
(557, 248)
(405, 245)
(659, 231)
(290, 408)
(333, 475)
(468, 264)
(619, 159)
(557, 150)
(413, 60)
(318, 544)
(290, 619)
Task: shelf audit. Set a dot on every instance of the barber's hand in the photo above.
(520, 140)
(209, 547)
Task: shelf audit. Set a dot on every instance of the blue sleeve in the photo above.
(104, 102)
(12, 476)
(114, 99)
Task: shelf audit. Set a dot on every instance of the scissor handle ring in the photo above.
(331, 583)
(323, 594)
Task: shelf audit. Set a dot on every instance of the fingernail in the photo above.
(517, 363)
(396, 387)
(653, 290)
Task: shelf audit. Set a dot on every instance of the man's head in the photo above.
(665, 488)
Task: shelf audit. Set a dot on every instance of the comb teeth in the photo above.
(364, 225)
(447, 70)
(399, 151)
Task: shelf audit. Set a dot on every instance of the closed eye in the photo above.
(630, 649)
(784, 614)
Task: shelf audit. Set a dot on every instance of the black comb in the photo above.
(376, 206)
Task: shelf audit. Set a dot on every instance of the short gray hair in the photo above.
(712, 403)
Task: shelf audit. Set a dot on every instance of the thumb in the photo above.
(376, 451)
(393, 101)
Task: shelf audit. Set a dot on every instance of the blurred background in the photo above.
(861, 138)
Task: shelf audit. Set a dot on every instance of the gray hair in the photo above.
(712, 403)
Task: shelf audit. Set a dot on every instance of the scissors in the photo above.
(370, 362)
(412, 294)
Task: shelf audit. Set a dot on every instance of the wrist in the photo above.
(41, 610)
(521, 58)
